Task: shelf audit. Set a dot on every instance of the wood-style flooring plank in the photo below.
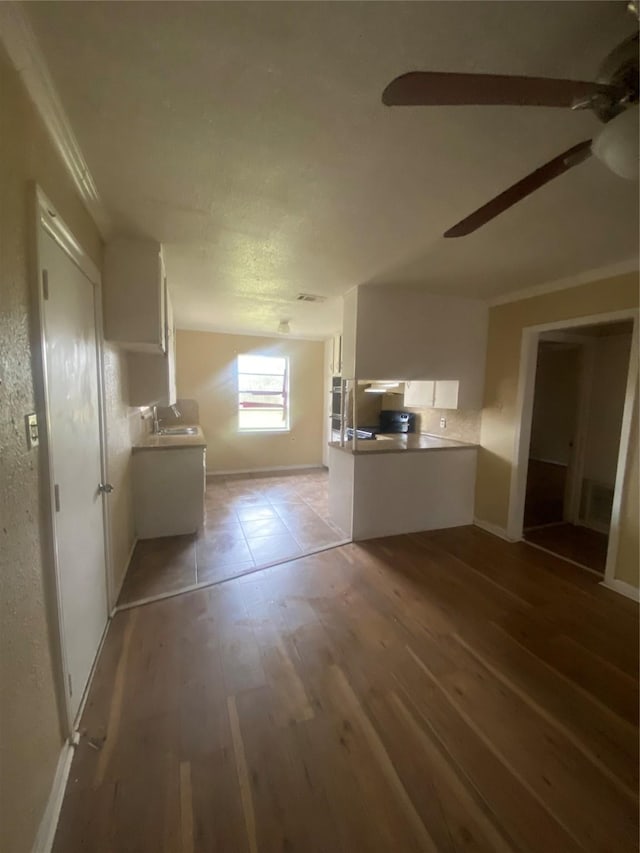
(439, 692)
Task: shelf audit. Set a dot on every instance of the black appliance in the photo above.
(391, 422)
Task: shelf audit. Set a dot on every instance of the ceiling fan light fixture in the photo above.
(617, 144)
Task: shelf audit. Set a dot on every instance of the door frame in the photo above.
(524, 412)
(45, 216)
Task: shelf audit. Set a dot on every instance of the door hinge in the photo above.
(45, 284)
(70, 687)
(56, 496)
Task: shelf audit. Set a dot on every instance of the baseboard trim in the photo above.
(495, 529)
(263, 470)
(623, 588)
(124, 575)
(49, 822)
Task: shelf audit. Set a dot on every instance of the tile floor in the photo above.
(250, 520)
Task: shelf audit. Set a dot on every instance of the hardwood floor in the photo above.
(584, 546)
(443, 691)
(250, 520)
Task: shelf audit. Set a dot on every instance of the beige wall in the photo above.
(205, 372)
(506, 324)
(30, 728)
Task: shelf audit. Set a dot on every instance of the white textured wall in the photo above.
(30, 729)
(406, 333)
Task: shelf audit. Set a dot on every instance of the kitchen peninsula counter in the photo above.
(401, 443)
(401, 484)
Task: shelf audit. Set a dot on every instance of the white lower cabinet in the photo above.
(168, 491)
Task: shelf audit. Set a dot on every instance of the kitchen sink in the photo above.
(179, 430)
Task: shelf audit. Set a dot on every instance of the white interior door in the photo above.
(75, 459)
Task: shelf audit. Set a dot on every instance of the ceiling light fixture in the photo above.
(617, 144)
(284, 328)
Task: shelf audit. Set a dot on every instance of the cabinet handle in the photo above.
(105, 488)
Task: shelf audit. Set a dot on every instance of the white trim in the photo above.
(609, 271)
(24, 51)
(49, 823)
(523, 417)
(195, 586)
(494, 529)
(264, 470)
(623, 588)
(621, 470)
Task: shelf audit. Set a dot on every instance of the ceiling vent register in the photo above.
(310, 297)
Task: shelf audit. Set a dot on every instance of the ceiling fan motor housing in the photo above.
(620, 70)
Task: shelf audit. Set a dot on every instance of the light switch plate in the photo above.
(31, 422)
(443, 423)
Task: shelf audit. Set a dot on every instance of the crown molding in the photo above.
(610, 271)
(25, 54)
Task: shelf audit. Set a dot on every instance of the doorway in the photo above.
(72, 433)
(577, 388)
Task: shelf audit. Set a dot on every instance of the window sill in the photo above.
(263, 431)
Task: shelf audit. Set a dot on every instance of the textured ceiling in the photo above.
(250, 139)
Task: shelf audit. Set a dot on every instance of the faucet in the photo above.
(175, 410)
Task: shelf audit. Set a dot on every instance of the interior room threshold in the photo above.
(244, 573)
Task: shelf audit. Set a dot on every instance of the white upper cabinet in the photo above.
(134, 295)
(446, 394)
(430, 394)
(419, 394)
(152, 376)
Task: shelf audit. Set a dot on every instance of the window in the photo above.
(263, 392)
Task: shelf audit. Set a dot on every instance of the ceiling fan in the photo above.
(613, 98)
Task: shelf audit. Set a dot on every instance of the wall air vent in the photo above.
(310, 297)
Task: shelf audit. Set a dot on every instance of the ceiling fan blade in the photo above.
(523, 188)
(429, 88)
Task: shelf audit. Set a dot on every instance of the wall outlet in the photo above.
(443, 423)
(31, 423)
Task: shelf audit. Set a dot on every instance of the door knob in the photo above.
(105, 488)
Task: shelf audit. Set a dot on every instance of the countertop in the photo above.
(170, 442)
(402, 443)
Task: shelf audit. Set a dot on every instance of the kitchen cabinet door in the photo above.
(446, 394)
(134, 295)
(152, 378)
(419, 394)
